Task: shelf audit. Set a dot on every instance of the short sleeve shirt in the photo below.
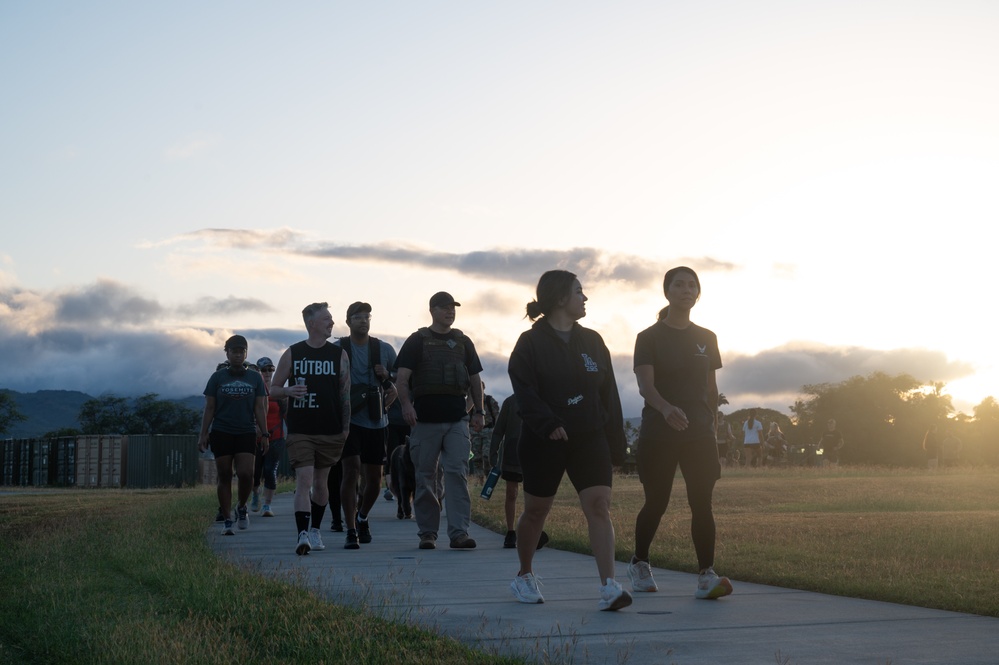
(437, 408)
(681, 360)
(235, 398)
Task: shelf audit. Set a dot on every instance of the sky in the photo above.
(174, 173)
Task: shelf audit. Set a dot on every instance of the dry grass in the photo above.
(904, 536)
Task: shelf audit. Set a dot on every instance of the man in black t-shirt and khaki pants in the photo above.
(437, 368)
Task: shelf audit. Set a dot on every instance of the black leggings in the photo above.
(657, 464)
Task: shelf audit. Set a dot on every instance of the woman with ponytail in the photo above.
(675, 364)
(572, 425)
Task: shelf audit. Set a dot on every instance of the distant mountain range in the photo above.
(50, 410)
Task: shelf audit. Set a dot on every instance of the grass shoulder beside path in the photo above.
(902, 536)
(105, 576)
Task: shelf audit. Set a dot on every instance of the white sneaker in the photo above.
(710, 586)
(303, 543)
(640, 574)
(267, 512)
(613, 597)
(525, 588)
(316, 539)
(242, 519)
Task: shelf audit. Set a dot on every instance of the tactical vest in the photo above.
(442, 369)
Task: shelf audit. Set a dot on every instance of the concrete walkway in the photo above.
(466, 595)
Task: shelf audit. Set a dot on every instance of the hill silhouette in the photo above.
(50, 410)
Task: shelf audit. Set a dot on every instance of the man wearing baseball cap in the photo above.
(372, 391)
(438, 369)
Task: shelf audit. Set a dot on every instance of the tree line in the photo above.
(110, 414)
(884, 418)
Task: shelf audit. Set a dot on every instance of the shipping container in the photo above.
(62, 467)
(11, 463)
(101, 460)
(40, 462)
(162, 460)
(26, 459)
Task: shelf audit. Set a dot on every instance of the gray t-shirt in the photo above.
(362, 373)
(235, 398)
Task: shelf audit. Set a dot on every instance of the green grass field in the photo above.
(106, 576)
(98, 576)
(904, 536)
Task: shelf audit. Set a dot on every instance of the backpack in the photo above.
(370, 396)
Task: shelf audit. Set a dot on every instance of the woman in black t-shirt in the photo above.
(675, 364)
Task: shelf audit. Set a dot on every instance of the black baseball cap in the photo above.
(236, 342)
(443, 299)
(264, 363)
(357, 308)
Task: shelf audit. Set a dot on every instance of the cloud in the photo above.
(105, 301)
(230, 305)
(784, 370)
(518, 265)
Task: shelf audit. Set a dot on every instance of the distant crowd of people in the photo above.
(756, 449)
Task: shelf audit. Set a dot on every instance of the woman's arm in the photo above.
(674, 415)
(206, 422)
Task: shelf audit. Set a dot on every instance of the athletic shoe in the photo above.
(388, 494)
(316, 540)
(219, 516)
(428, 543)
(710, 586)
(337, 525)
(350, 543)
(242, 519)
(525, 589)
(303, 543)
(543, 540)
(462, 543)
(640, 574)
(267, 512)
(510, 541)
(613, 597)
(227, 528)
(255, 502)
(363, 532)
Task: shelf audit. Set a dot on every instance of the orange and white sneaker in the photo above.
(710, 586)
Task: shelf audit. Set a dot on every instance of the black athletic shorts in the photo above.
(368, 443)
(224, 444)
(585, 458)
(512, 476)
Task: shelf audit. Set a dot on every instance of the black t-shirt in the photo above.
(437, 408)
(681, 362)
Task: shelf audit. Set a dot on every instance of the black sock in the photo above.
(302, 520)
(317, 514)
(361, 516)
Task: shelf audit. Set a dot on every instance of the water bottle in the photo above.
(299, 401)
(487, 489)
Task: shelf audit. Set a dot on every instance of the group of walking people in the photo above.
(566, 398)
